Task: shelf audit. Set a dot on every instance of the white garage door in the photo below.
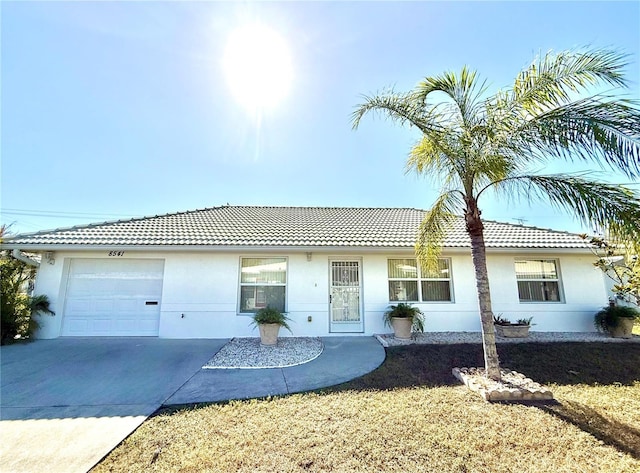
(110, 297)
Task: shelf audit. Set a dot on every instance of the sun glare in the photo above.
(258, 67)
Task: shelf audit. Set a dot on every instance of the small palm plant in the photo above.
(404, 319)
(18, 311)
(38, 304)
(269, 315)
(269, 321)
(617, 320)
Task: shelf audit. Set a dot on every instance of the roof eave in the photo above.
(270, 248)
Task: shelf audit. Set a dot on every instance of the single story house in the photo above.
(202, 273)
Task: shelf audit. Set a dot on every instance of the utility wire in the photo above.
(59, 214)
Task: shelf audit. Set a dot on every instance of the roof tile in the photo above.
(288, 227)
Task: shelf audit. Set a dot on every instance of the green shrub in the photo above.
(609, 317)
(16, 306)
(500, 320)
(269, 315)
(405, 311)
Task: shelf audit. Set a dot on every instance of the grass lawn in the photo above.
(412, 415)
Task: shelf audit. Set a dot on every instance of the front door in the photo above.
(345, 305)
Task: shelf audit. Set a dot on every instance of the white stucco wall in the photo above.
(582, 287)
(200, 293)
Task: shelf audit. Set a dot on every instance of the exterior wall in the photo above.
(200, 293)
(49, 281)
(582, 286)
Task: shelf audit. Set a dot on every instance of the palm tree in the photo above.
(472, 142)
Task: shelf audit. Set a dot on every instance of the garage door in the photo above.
(113, 297)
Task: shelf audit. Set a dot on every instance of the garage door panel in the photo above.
(148, 325)
(137, 287)
(87, 288)
(117, 268)
(125, 306)
(77, 326)
(109, 286)
(100, 325)
(126, 325)
(109, 297)
(78, 306)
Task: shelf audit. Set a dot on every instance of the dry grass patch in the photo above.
(425, 422)
(609, 413)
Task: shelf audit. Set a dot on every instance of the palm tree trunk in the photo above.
(475, 228)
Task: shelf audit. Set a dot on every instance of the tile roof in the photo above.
(288, 227)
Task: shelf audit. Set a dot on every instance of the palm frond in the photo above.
(630, 235)
(399, 107)
(594, 203)
(434, 156)
(553, 77)
(465, 89)
(433, 228)
(490, 168)
(591, 129)
(40, 304)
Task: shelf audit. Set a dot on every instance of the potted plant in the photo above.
(269, 321)
(616, 320)
(506, 328)
(404, 318)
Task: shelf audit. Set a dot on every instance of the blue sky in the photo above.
(121, 109)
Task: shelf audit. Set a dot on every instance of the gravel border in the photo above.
(248, 353)
(443, 338)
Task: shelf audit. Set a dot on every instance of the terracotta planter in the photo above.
(269, 334)
(513, 331)
(401, 327)
(623, 329)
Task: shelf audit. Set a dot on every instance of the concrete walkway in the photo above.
(66, 403)
(343, 359)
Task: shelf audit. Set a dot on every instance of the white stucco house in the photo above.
(202, 273)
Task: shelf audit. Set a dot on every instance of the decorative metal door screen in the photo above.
(345, 292)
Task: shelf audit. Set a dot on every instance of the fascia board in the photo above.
(269, 248)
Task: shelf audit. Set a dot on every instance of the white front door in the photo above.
(113, 297)
(345, 303)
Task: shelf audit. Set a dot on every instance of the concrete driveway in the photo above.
(66, 403)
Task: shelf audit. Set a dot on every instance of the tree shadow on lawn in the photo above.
(559, 363)
(621, 436)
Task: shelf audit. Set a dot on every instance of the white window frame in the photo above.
(557, 280)
(419, 279)
(261, 284)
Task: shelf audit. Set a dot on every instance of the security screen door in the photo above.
(345, 305)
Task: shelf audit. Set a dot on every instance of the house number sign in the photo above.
(116, 253)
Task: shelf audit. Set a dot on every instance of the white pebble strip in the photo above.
(248, 353)
(441, 338)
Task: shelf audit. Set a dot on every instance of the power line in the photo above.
(59, 214)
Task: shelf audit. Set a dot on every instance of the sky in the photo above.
(112, 110)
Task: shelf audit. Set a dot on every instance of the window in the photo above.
(263, 283)
(409, 282)
(538, 280)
